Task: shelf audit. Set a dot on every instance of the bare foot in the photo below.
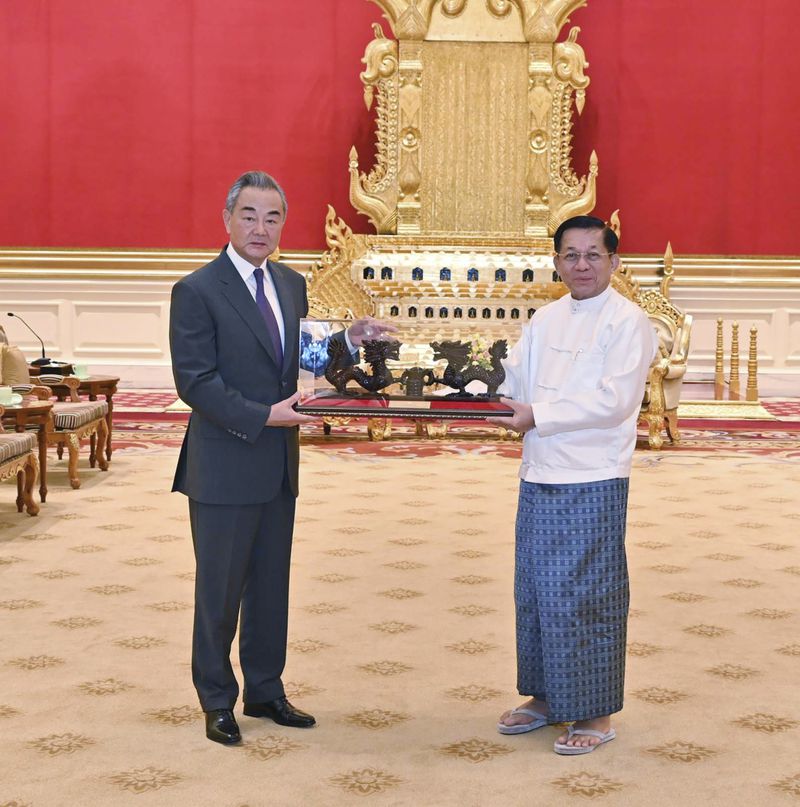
(602, 724)
(510, 719)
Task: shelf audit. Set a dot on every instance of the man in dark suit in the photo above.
(234, 340)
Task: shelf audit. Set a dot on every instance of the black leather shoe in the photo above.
(282, 712)
(221, 727)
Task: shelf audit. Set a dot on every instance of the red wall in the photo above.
(122, 124)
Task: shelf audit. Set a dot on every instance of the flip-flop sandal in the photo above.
(538, 721)
(604, 737)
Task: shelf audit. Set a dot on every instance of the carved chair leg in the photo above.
(671, 418)
(20, 488)
(31, 473)
(60, 451)
(92, 450)
(654, 425)
(102, 441)
(73, 447)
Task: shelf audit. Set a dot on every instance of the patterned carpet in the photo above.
(401, 639)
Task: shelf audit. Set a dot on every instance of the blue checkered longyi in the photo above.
(571, 593)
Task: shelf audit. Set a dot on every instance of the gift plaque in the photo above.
(417, 373)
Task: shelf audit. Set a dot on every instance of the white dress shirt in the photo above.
(246, 270)
(582, 365)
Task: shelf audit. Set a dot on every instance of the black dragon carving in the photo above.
(341, 370)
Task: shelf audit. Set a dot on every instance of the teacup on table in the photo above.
(80, 370)
(8, 396)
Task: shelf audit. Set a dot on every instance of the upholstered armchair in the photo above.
(73, 421)
(18, 458)
(674, 328)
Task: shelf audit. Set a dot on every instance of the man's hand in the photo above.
(521, 422)
(368, 328)
(282, 413)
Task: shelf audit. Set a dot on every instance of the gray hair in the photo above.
(253, 179)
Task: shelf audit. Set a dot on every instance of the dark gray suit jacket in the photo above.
(225, 369)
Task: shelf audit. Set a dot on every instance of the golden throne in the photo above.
(474, 103)
(674, 329)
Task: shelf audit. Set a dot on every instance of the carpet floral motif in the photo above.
(141, 561)
(105, 686)
(393, 627)
(766, 723)
(20, 605)
(76, 622)
(366, 781)
(680, 751)
(475, 750)
(376, 718)
(773, 547)
(471, 579)
(685, 596)
(299, 689)
(111, 589)
(586, 784)
(324, 608)
(334, 577)
(407, 541)
(56, 744)
(272, 746)
(39, 536)
(8, 711)
(401, 594)
(473, 693)
(707, 631)
(790, 785)
(308, 646)
(733, 672)
(385, 667)
(668, 568)
(789, 650)
(140, 642)
(165, 539)
(88, 549)
(791, 570)
(8, 560)
(36, 662)
(344, 552)
(743, 582)
(471, 554)
(169, 605)
(405, 565)
(140, 780)
(723, 556)
(56, 574)
(473, 610)
(659, 696)
(176, 715)
(643, 649)
(471, 647)
(769, 613)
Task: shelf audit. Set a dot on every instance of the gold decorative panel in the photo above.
(475, 119)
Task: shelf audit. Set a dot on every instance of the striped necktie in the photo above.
(268, 314)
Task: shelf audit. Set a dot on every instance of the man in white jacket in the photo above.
(575, 381)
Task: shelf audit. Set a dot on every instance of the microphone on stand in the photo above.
(35, 362)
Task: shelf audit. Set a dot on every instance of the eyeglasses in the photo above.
(592, 257)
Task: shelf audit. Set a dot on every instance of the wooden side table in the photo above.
(32, 413)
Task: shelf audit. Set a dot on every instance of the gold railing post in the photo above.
(733, 383)
(752, 367)
(719, 374)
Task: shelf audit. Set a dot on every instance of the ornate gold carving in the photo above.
(752, 367)
(331, 293)
(375, 194)
(733, 381)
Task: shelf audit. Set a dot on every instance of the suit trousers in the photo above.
(242, 555)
